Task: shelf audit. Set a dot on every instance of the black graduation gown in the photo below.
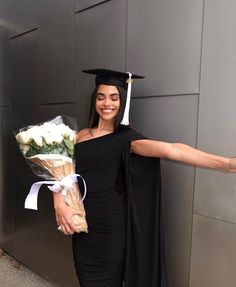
(99, 253)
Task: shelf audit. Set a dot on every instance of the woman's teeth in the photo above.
(107, 110)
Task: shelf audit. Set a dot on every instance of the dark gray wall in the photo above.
(37, 55)
(186, 50)
(214, 229)
(5, 104)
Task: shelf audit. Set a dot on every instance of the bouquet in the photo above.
(48, 149)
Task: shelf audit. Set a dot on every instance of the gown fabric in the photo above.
(123, 244)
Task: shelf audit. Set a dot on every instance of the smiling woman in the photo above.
(124, 244)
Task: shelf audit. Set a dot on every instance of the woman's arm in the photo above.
(182, 153)
(63, 212)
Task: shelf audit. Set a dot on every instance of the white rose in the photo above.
(23, 137)
(58, 138)
(62, 129)
(47, 127)
(38, 140)
(24, 148)
(52, 137)
(35, 131)
(67, 132)
(72, 136)
(48, 138)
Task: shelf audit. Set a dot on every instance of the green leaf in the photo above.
(69, 144)
(31, 152)
(33, 144)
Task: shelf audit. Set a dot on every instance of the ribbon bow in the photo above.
(31, 201)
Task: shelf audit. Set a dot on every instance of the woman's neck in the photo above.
(107, 126)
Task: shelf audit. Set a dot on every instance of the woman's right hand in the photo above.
(64, 214)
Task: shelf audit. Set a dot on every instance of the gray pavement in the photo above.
(14, 274)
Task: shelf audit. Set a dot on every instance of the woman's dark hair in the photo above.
(94, 117)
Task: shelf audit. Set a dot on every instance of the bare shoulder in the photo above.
(81, 134)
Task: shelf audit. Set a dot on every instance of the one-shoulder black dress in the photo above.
(100, 256)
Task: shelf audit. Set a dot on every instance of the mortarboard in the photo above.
(116, 78)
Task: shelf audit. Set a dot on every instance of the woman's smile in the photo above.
(107, 111)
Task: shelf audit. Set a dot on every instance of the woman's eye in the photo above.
(115, 99)
(100, 98)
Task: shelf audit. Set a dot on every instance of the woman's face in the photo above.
(107, 102)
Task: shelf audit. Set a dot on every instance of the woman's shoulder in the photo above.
(130, 133)
(81, 133)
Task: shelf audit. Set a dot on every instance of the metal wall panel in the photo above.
(213, 253)
(24, 87)
(33, 229)
(85, 4)
(4, 66)
(56, 51)
(24, 73)
(38, 235)
(98, 44)
(5, 159)
(215, 192)
(6, 208)
(84, 88)
(21, 16)
(164, 43)
(46, 112)
(173, 119)
(101, 43)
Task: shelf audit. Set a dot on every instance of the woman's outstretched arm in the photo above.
(182, 153)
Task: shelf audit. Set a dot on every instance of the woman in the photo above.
(124, 242)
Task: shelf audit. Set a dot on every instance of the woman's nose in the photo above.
(107, 102)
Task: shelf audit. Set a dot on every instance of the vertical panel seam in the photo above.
(196, 143)
(126, 34)
(74, 52)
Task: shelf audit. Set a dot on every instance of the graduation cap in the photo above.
(116, 78)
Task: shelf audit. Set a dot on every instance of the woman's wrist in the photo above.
(58, 200)
(232, 164)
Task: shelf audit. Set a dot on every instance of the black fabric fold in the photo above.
(145, 264)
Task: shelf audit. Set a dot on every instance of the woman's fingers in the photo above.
(64, 220)
(64, 217)
(66, 229)
(79, 212)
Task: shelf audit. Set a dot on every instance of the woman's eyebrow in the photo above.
(113, 94)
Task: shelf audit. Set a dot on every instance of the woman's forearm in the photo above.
(187, 154)
(183, 153)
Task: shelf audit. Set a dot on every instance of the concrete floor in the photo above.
(14, 274)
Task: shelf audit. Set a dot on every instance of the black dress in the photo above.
(103, 256)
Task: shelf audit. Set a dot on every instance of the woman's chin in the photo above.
(108, 117)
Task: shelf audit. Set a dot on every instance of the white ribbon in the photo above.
(31, 201)
(125, 119)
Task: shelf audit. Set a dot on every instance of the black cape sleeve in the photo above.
(145, 264)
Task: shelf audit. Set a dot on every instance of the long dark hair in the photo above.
(94, 117)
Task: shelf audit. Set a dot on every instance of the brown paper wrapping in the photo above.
(58, 167)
